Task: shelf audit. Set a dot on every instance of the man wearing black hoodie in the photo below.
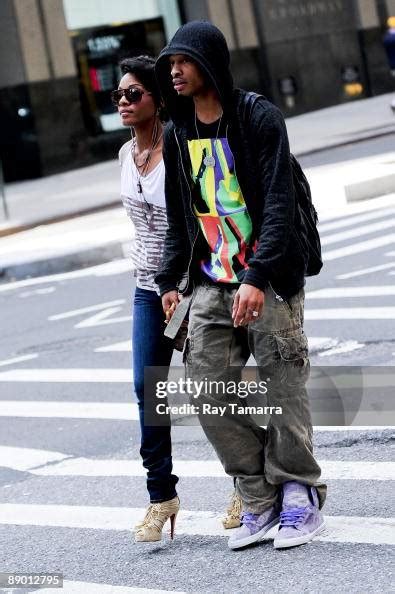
(231, 246)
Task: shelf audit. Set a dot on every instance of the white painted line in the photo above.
(117, 347)
(69, 410)
(345, 529)
(344, 292)
(357, 248)
(107, 269)
(357, 232)
(27, 458)
(70, 587)
(390, 254)
(103, 318)
(91, 375)
(118, 411)
(345, 347)
(346, 428)
(321, 342)
(365, 271)
(353, 220)
(18, 359)
(43, 291)
(351, 313)
(331, 469)
(84, 310)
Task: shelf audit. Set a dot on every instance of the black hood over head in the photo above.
(206, 45)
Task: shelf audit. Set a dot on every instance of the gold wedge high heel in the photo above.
(233, 513)
(150, 529)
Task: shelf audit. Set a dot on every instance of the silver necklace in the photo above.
(208, 160)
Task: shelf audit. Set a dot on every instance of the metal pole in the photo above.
(3, 198)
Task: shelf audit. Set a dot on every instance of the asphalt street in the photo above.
(71, 485)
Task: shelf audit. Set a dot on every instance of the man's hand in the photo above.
(247, 305)
(170, 301)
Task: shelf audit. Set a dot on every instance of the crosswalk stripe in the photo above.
(357, 232)
(349, 313)
(117, 347)
(342, 222)
(341, 529)
(20, 359)
(344, 292)
(51, 375)
(331, 469)
(52, 463)
(119, 411)
(108, 269)
(27, 458)
(364, 271)
(74, 587)
(357, 248)
(319, 343)
(78, 312)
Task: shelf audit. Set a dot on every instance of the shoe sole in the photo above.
(254, 537)
(294, 542)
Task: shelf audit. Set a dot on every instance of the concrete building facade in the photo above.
(59, 62)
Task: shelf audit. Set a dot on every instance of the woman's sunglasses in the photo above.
(132, 95)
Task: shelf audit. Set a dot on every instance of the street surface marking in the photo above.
(67, 466)
(336, 428)
(344, 292)
(345, 347)
(75, 375)
(27, 458)
(44, 291)
(343, 529)
(103, 318)
(84, 310)
(366, 271)
(353, 220)
(71, 587)
(357, 232)
(18, 359)
(357, 248)
(118, 411)
(107, 269)
(351, 313)
(117, 347)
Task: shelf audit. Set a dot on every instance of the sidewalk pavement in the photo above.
(75, 219)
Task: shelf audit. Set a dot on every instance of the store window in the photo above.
(98, 52)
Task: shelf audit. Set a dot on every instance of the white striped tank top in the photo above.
(147, 211)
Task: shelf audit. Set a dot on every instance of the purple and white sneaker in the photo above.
(253, 527)
(301, 518)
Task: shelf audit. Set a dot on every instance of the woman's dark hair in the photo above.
(143, 68)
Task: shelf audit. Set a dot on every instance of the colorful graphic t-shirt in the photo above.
(219, 206)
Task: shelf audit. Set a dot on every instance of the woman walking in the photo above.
(142, 190)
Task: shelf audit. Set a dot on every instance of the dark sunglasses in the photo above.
(132, 95)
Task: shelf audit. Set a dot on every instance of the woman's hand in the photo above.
(170, 301)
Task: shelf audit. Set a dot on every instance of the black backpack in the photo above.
(306, 217)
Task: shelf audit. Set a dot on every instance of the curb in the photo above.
(17, 228)
(65, 262)
(352, 140)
